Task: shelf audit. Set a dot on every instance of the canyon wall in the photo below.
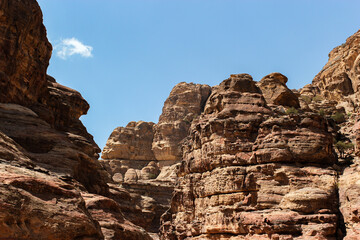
(253, 173)
(265, 162)
(241, 160)
(52, 185)
(142, 158)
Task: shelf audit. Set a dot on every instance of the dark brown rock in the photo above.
(47, 158)
(25, 52)
(275, 91)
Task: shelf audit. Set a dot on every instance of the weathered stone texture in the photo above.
(341, 75)
(47, 158)
(249, 173)
(186, 102)
(275, 91)
(25, 52)
(133, 142)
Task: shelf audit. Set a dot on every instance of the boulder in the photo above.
(275, 91)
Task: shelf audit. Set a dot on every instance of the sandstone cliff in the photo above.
(241, 160)
(338, 83)
(51, 180)
(251, 173)
(142, 158)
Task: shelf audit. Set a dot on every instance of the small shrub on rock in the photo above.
(291, 110)
(343, 146)
(338, 117)
(317, 98)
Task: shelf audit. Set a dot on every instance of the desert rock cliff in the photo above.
(52, 185)
(252, 173)
(142, 158)
(240, 160)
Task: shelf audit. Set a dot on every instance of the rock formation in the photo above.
(250, 173)
(338, 82)
(143, 157)
(186, 102)
(340, 76)
(132, 142)
(241, 160)
(275, 91)
(51, 180)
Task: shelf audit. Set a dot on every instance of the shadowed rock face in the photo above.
(249, 173)
(48, 161)
(25, 52)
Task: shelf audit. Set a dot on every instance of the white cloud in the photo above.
(71, 46)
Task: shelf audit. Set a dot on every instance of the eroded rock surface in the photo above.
(249, 173)
(48, 161)
(275, 91)
(340, 76)
(142, 158)
(133, 142)
(186, 102)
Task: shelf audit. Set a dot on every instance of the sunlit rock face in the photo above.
(132, 142)
(185, 103)
(275, 91)
(339, 85)
(339, 80)
(144, 157)
(249, 173)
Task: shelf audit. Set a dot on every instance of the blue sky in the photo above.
(125, 56)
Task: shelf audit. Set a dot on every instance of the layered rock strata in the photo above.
(275, 91)
(185, 103)
(249, 173)
(340, 76)
(52, 185)
(142, 158)
(338, 82)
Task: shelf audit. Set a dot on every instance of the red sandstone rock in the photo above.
(23, 63)
(46, 155)
(113, 224)
(249, 173)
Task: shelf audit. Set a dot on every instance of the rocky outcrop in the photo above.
(250, 173)
(340, 76)
(335, 90)
(143, 157)
(275, 91)
(133, 142)
(48, 161)
(186, 102)
(111, 219)
(250, 168)
(25, 53)
(339, 80)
